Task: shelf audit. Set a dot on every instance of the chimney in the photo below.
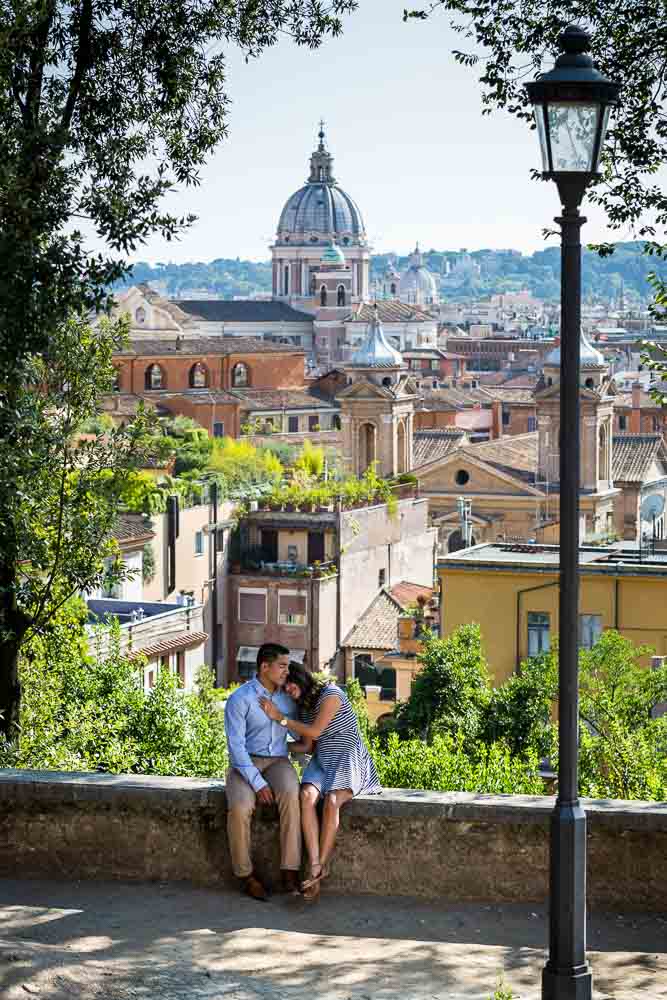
(636, 414)
(496, 418)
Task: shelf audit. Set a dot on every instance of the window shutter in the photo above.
(292, 604)
(252, 608)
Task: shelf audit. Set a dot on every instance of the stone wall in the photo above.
(441, 846)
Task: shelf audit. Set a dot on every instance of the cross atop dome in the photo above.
(320, 134)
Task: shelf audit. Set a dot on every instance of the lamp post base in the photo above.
(566, 975)
(570, 984)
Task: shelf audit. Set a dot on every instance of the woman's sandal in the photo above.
(311, 887)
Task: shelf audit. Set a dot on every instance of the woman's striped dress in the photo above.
(341, 758)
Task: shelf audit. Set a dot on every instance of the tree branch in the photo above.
(83, 61)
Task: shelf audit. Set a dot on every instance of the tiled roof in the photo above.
(511, 395)
(407, 593)
(196, 346)
(633, 455)
(378, 626)
(242, 311)
(452, 398)
(525, 381)
(428, 446)
(132, 528)
(515, 454)
(389, 311)
(196, 397)
(646, 401)
(125, 404)
(277, 399)
(182, 640)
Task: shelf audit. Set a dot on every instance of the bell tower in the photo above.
(596, 424)
(377, 407)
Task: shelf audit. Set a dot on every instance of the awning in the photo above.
(248, 654)
(183, 640)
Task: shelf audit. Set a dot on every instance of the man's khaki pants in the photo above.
(282, 779)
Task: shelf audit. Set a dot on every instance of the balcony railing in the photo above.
(263, 567)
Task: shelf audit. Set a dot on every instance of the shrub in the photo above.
(82, 712)
(451, 763)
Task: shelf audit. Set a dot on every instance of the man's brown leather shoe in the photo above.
(251, 886)
(290, 881)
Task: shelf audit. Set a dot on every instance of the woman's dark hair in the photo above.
(310, 687)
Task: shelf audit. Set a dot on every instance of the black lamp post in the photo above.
(572, 104)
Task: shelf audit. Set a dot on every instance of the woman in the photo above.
(341, 766)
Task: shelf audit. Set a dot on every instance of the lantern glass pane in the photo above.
(572, 131)
(542, 133)
(603, 133)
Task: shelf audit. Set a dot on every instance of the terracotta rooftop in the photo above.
(196, 397)
(291, 399)
(646, 401)
(453, 398)
(197, 346)
(378, 626)
(389, 311)
(634, 454)
(510, 395)
(132, 528)
(182, 640)
(515, 454)
(428, 446)
(407, 593)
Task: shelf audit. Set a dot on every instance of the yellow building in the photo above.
(512, 592)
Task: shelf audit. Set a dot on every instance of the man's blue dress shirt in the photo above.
(251, 732)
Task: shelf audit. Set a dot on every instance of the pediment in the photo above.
(484, 478)
(365, 390)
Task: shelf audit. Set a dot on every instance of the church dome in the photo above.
(589, 356)
(320, 210)
(376, 351)
(417, 283)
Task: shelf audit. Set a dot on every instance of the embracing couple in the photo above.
(285, 698)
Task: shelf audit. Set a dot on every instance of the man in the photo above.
(261, 771)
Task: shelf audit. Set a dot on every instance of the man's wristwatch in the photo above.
(283, 721)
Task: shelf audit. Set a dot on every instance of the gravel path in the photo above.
(130, 941)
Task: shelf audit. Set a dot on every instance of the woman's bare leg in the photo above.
(330, 821)
(310, 825)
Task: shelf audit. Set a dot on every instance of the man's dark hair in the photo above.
(269, 652)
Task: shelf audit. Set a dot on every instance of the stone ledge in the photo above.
(454, 846)
(187, 793)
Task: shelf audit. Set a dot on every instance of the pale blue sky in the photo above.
(404, 124)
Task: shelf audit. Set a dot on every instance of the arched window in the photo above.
(335, 422)
(313, 285)
(366, 447)
(198, 376)
(115, 385)
(401, 448)
(240, 375)
(323, 295)
(286, 281)
(340, 295)
(589, 383)
(603, 457)
(140, 315)
(154, 378)
(392, 288)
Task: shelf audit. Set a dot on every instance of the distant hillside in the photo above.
(461, 274)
